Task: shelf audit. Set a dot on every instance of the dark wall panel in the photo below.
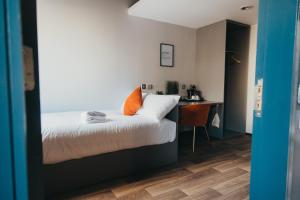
(236, 73)
(34, 144)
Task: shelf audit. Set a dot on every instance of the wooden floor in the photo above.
(217, 171)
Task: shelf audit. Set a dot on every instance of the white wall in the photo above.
(251, 78)
(92, 54)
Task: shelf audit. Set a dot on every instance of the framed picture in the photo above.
(166, 55)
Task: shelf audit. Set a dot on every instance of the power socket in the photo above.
(150, 87)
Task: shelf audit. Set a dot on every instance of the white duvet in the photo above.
(65, 137)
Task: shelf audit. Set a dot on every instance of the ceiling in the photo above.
(195, 13)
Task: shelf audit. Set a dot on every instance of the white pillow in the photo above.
(158, 106)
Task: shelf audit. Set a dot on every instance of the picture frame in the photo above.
(166, 55)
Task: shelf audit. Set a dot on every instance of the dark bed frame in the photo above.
(74, 174)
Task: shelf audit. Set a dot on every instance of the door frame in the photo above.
(294, 117)
(13, 159)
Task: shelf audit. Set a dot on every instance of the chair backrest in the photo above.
(194, 114)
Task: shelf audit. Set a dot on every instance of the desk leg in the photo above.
(206, 133)
(194, 137)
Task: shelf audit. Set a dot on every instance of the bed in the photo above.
(77, 154)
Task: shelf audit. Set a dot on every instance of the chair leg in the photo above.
(194, 137)
(206, 133)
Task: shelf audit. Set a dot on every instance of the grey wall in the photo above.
(210, 61)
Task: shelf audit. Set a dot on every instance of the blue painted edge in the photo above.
(6, 172)
(276, 36)
(17, 97)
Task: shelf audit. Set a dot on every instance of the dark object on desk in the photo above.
(172, 87)
(190, 93)
(159, 92)
(195, 115)
(193, 91)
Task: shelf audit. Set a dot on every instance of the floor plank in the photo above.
(232, 184)
(142, 184)
(173, 194)
(139, 195)
(223, 177)
(240, 194)
(203, 194)
(183, 182)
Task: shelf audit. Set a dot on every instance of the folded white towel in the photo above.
(95, 113)
(93, 121)
(93, 117)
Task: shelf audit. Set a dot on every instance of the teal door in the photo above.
(275, 56)
(13, 170)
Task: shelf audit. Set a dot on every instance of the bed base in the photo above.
(75, 174)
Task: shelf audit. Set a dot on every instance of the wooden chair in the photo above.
(195, 115)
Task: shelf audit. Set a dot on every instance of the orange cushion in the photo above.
(133, 102)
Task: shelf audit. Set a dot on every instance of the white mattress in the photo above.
(65, 137)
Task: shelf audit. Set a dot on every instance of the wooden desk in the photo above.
(184, 103)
